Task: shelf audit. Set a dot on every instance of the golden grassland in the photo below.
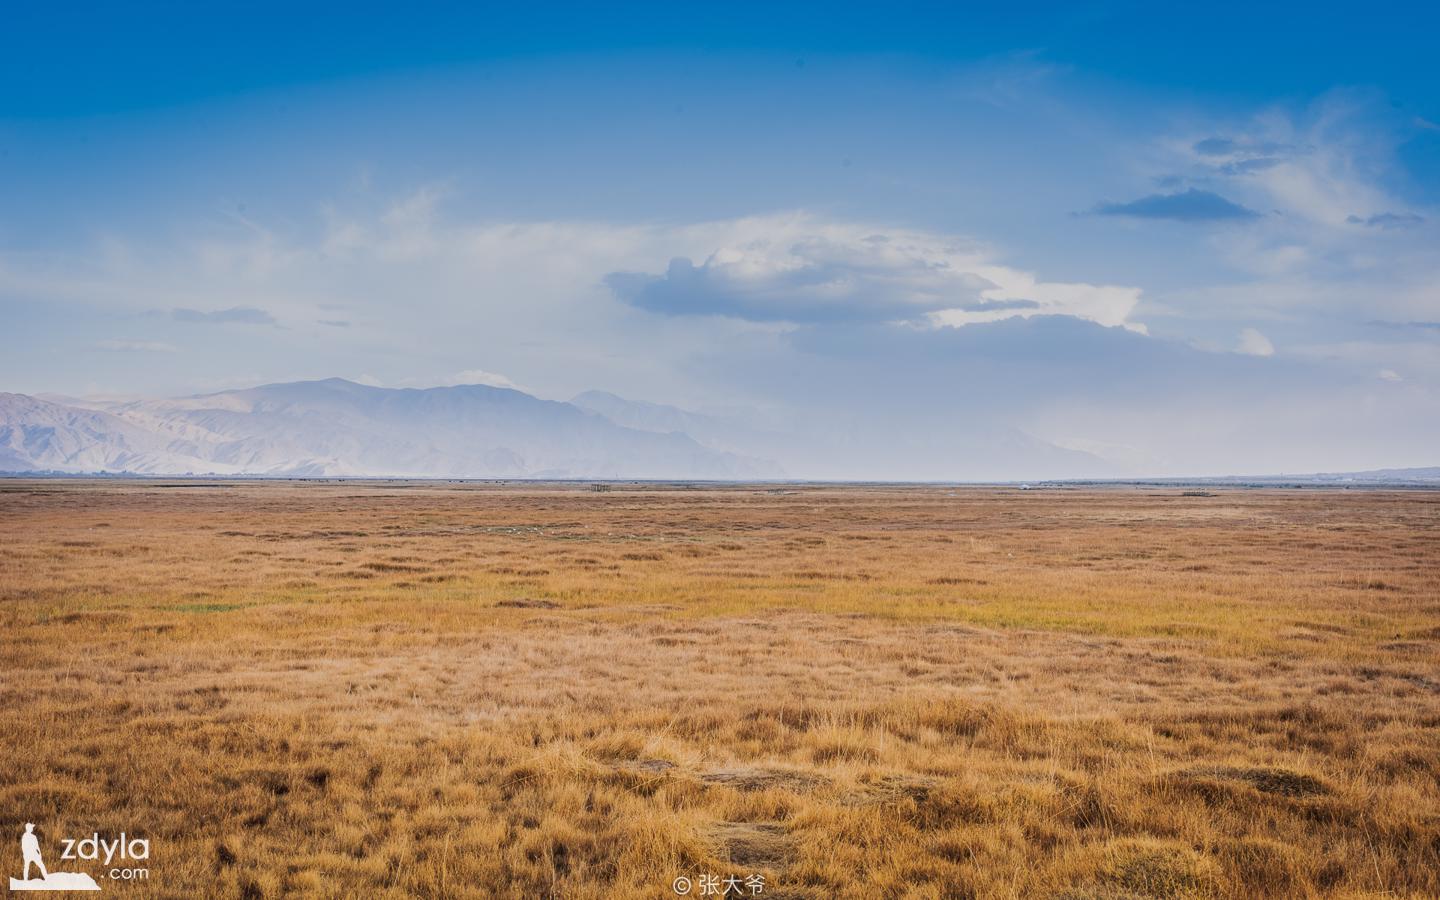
(437, 690)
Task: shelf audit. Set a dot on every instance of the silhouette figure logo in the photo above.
(48, 881)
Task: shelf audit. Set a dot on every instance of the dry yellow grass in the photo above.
(396, 690)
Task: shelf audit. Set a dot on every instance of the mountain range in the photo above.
(339, 428)
(336, 427)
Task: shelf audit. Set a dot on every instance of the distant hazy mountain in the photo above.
(936, 448)
(655, 417)
(730, 433)
(39, 435)
(337, 427)
(1423, 475)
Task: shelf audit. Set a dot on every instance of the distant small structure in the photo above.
(599, 488)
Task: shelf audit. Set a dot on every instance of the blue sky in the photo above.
(1182, 239)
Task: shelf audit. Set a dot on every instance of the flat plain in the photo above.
(483, 690)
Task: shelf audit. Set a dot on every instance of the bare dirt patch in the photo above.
(527, 603)
(763, 779)
(753, 845)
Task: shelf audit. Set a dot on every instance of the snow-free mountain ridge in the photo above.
(337, 427)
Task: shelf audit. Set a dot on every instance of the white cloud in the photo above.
(1108, 305)
(1253, 343)
(480, 376)
(804, 269)
(456, 379)
(120, 346)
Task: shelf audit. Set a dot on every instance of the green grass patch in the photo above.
(208, 607)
